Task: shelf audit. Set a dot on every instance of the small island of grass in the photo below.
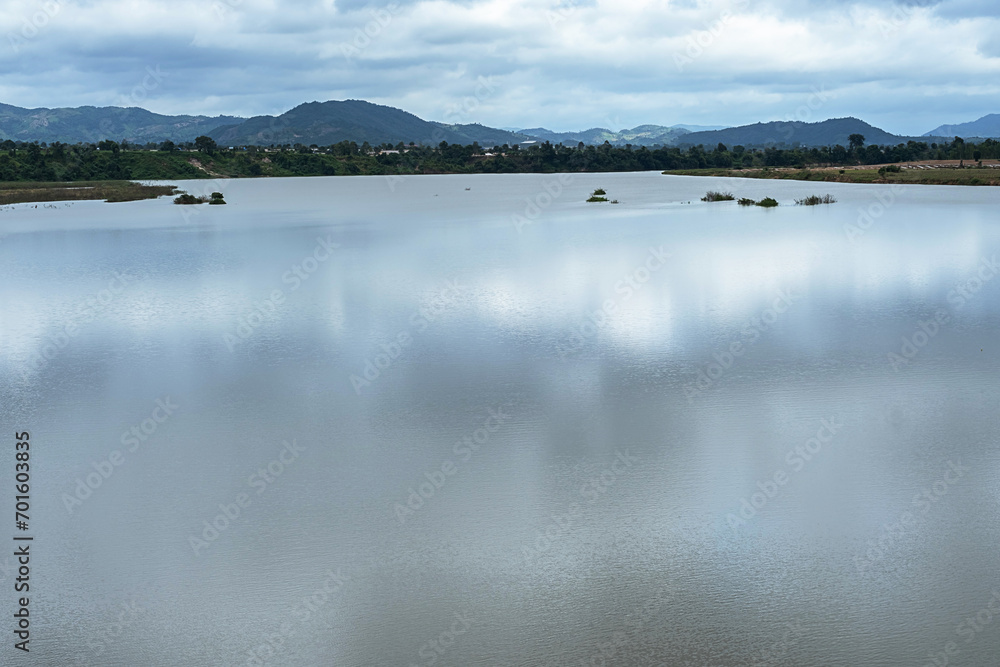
(766, 202)
(598, 195)
(109, 191)
(712, 195)
(815, 200)
(188, 199)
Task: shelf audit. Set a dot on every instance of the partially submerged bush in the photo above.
(596, 198)
(599, 191)
(185, 198)
(712, 195)
(766, 202)
(814, 200)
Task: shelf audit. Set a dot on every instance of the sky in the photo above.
(906, 67)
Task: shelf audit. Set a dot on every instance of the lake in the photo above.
(474, 420)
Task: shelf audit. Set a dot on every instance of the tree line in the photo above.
(203, 158)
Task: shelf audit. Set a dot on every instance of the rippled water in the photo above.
(472, 420)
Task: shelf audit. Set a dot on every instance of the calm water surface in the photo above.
(472, 420)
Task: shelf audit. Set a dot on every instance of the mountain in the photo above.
(699, 128)
(826, 133)
(486, 136)
(987, 126)
(643, 135)
(326, 123)
(94, 124)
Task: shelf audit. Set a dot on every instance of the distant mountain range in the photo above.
(788, 133)
(325, 123)
(985, 127)
(94, 124)
(643, 135)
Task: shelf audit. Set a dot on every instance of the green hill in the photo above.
(325, 123)
(95, 124)
(833, 132)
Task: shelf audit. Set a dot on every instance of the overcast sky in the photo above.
(904, 66)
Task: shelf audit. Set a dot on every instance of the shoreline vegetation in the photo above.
(109, 191)
(903, 174)
(33, 172)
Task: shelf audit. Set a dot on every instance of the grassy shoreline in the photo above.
(967, 176)
(23, 192)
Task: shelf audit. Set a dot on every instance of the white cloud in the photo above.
(566, 66)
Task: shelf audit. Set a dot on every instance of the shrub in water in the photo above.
(185, 198)
(814, 200)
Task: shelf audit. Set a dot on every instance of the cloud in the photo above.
(565, 65)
